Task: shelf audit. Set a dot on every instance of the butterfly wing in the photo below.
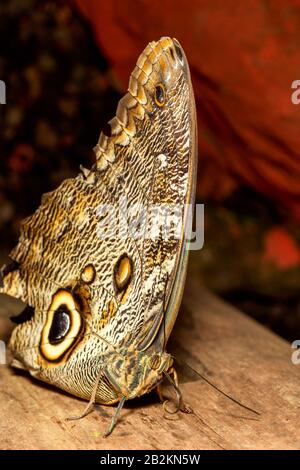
(93, 261)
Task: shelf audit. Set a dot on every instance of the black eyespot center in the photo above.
(160, 95)
(61, 324)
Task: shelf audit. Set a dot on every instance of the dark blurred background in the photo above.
(66, 64)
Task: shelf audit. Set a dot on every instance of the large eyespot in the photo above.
(62, 328)
(123, 272)
(160, 95)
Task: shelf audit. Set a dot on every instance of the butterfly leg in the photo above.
(181, 405)
(115, 417)
(85, 412)
(91, 403)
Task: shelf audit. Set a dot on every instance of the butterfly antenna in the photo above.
(234, 400)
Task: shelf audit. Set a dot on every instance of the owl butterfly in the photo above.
(101, 308)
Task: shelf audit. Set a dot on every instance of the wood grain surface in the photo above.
(247, 395)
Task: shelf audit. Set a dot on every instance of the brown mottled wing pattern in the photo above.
(144, 160)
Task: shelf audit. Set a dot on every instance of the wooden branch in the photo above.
(247, 396)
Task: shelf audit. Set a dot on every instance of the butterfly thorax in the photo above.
(138, 372)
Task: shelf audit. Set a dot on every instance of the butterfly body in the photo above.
(104, 301)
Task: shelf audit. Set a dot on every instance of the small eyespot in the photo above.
(160, 95)
(123, 272)
(88, 274)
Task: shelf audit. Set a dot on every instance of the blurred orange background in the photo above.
(243, 57)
